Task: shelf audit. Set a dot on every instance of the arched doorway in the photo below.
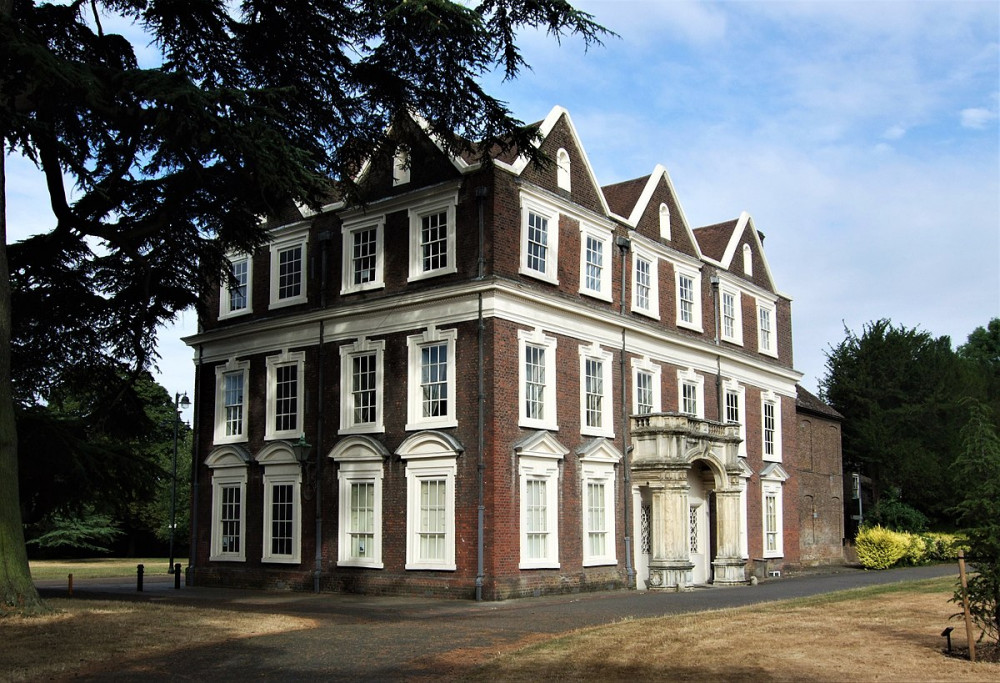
(701, 521)
(688, 486)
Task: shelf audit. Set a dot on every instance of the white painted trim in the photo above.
(225, 312)
(420, 469)
(415, 215)
(348, 352)
(550, 417)
(415, 420)
(348, 230)
(504, 300)
(607, 426)
(603, 237)
(231, 367)
(531, 206)
(285, 239)
(297, 358)
(641, 253)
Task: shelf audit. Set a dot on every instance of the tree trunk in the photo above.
(17, 591)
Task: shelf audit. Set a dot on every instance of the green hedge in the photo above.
(881, 548)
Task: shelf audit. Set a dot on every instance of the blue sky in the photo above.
(863, 138)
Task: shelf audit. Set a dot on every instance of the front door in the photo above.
(698, 528)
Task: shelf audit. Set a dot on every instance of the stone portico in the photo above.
(670, 450)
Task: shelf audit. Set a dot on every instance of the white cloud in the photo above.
(894, 133)
(977, 118)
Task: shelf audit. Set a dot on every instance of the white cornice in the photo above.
(502, 299)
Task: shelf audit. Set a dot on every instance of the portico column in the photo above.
(728, 563)
(670, 559)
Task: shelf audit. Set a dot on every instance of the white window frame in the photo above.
(532, 205)
(281, 469)
(653, 304)
(731, 386)
(298, 237)
(735, 335)
(747, 260)
(229, 470)
(563, 177)
(549, 419)
(695, 277)
(644, 365)
(416, 214)
(606, 428)
(231, 367)
(429, 458)
(225, 303)
(415, 419)
(597, 466)
(769, 398)
(348, 352)
(772, 480)
(286, 358)
(360, 461)
(767, 343)
(664, 221)
(691, 378)
(601, 237)
(538, 461)
(348, 231)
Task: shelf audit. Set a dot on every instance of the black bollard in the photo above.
(177, 576)
(139, 569)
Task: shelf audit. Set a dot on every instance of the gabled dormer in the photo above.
(649, 205)
(570, 174)
(410, 158)
(737, 247)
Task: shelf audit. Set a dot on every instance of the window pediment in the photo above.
(599, 450)
(358, 449)
(429, 444)
(774, 472)
(229, 455)
(541, 444)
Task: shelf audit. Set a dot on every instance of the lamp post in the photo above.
(302, 449)
(180, 401)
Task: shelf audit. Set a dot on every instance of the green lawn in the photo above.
(100, 567)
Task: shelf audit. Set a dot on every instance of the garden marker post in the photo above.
(965, 606)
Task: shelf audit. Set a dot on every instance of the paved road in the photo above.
(376, 638)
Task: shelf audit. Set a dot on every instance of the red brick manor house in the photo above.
(504, 380)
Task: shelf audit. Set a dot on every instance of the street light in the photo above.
(180, 401)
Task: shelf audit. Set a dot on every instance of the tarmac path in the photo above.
(365, 638)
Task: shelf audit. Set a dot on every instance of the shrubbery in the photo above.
(881, 548)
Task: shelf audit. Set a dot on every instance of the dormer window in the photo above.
(401, 167)
(664, 221)
(562, 170)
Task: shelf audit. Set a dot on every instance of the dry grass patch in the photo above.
(80, 635)
(99, 567)
(858, 635)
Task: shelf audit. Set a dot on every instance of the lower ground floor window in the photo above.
(772, 479)
(282, 504)
(431, 467)
(229, 484)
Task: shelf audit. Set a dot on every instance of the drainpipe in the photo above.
(720, 405)
(624, 244)
(195, 466)
(481, 193)
(324, 241)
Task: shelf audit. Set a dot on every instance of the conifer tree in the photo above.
(977, 470)
(254, 105)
